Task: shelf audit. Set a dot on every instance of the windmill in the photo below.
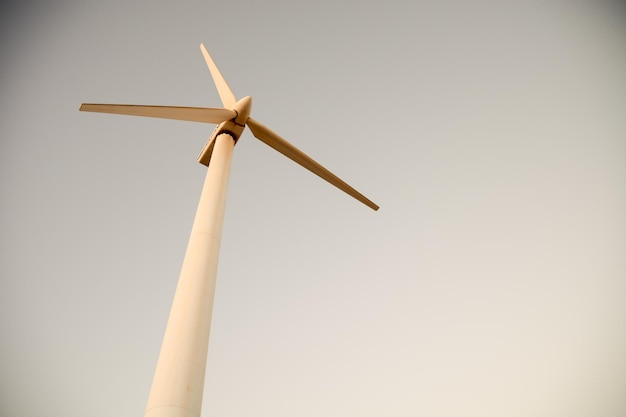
(179, 376)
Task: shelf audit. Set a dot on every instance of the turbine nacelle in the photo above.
(233, 127)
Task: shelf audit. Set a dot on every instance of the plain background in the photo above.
(490, 283)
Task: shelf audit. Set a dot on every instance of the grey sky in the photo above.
(490, 283)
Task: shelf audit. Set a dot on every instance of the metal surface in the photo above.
(179, 377)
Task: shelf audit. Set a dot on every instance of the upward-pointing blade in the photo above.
(226, 94)
(192, 114)
(272, 139)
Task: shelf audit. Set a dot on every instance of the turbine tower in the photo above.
(179, 376)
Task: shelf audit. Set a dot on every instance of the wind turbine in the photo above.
(179, 376)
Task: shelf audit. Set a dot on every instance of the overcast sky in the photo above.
(491, 283)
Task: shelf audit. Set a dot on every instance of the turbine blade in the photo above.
(226, 94)
(264, 134)
(192, 114)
